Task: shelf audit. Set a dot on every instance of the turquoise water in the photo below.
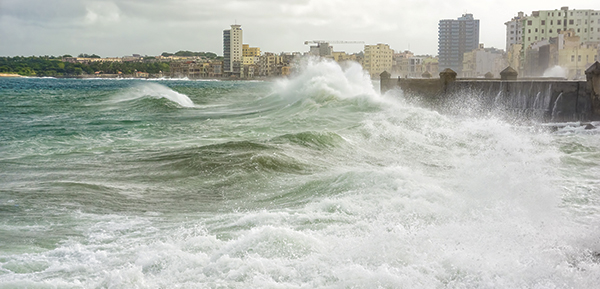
(316, 181)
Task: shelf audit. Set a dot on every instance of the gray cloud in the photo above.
(122, 27)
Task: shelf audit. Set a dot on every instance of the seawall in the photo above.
(545, 99)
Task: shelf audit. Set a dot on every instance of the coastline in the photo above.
(9, 75)
(114, 76)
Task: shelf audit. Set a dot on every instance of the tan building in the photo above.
(481, 61)
(194, 70)
(377, 59)
(577, 58)
(248, 51)
(342, 56)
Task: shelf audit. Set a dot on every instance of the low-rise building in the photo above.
(481, 61)
(377, 59)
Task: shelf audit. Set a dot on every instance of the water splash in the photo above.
(160, 91)
(157, 91)
(556, 71)
(555, 111)
(324, 80)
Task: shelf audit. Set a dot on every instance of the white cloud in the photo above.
(102, 12)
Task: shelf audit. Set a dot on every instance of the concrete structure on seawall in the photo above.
(545, 99)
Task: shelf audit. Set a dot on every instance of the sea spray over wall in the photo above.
(556, 71)
(325, 80)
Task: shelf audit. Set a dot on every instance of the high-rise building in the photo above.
(455, 37)
(232, 49)
(377, 59)
(514, 30)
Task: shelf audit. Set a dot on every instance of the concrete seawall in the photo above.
(544, 99)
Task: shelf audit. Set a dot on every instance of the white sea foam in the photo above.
(154, 90)
(323, 80)
(410, 199)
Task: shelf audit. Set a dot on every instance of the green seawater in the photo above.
(313, 181)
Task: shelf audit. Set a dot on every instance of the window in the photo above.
(550, 31)
(543, 22)
(572, 58)
(552, 21)
(542, 30)
(558, 22)
(529, 31)
(536, 30)
(579, 58)
(571, 22)
(529, 22)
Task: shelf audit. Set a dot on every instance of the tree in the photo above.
(85, 55)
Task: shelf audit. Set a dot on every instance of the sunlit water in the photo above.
(316, 181)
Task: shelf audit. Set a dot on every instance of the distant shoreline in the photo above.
(9, 75)
(115, 76)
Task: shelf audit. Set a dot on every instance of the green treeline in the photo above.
(54, 66)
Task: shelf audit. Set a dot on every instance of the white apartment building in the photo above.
(377, 59)
(542, 25)
(232, 49)
(514, 30)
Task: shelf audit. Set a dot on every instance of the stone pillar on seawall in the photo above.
(385, 82)
(447, 77)
(593, 85)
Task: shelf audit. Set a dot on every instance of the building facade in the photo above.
(546, 33)
(232, 49)
(541, 25)
(377, 59)
(514, 30)
(481, 61)
(455, 37)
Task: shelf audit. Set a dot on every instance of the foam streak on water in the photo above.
(315, 181)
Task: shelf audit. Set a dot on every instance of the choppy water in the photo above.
(311, 182)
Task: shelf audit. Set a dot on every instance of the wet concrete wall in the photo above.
(549, 100)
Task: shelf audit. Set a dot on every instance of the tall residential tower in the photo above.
(232, 49)
(455, 37)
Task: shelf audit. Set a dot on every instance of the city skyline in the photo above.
(111, 28)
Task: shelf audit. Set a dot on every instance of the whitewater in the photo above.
(311, 181)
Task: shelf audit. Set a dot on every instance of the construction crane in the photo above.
(332, 42)
(323, 49)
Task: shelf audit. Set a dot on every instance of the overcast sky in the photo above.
(150, 27)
